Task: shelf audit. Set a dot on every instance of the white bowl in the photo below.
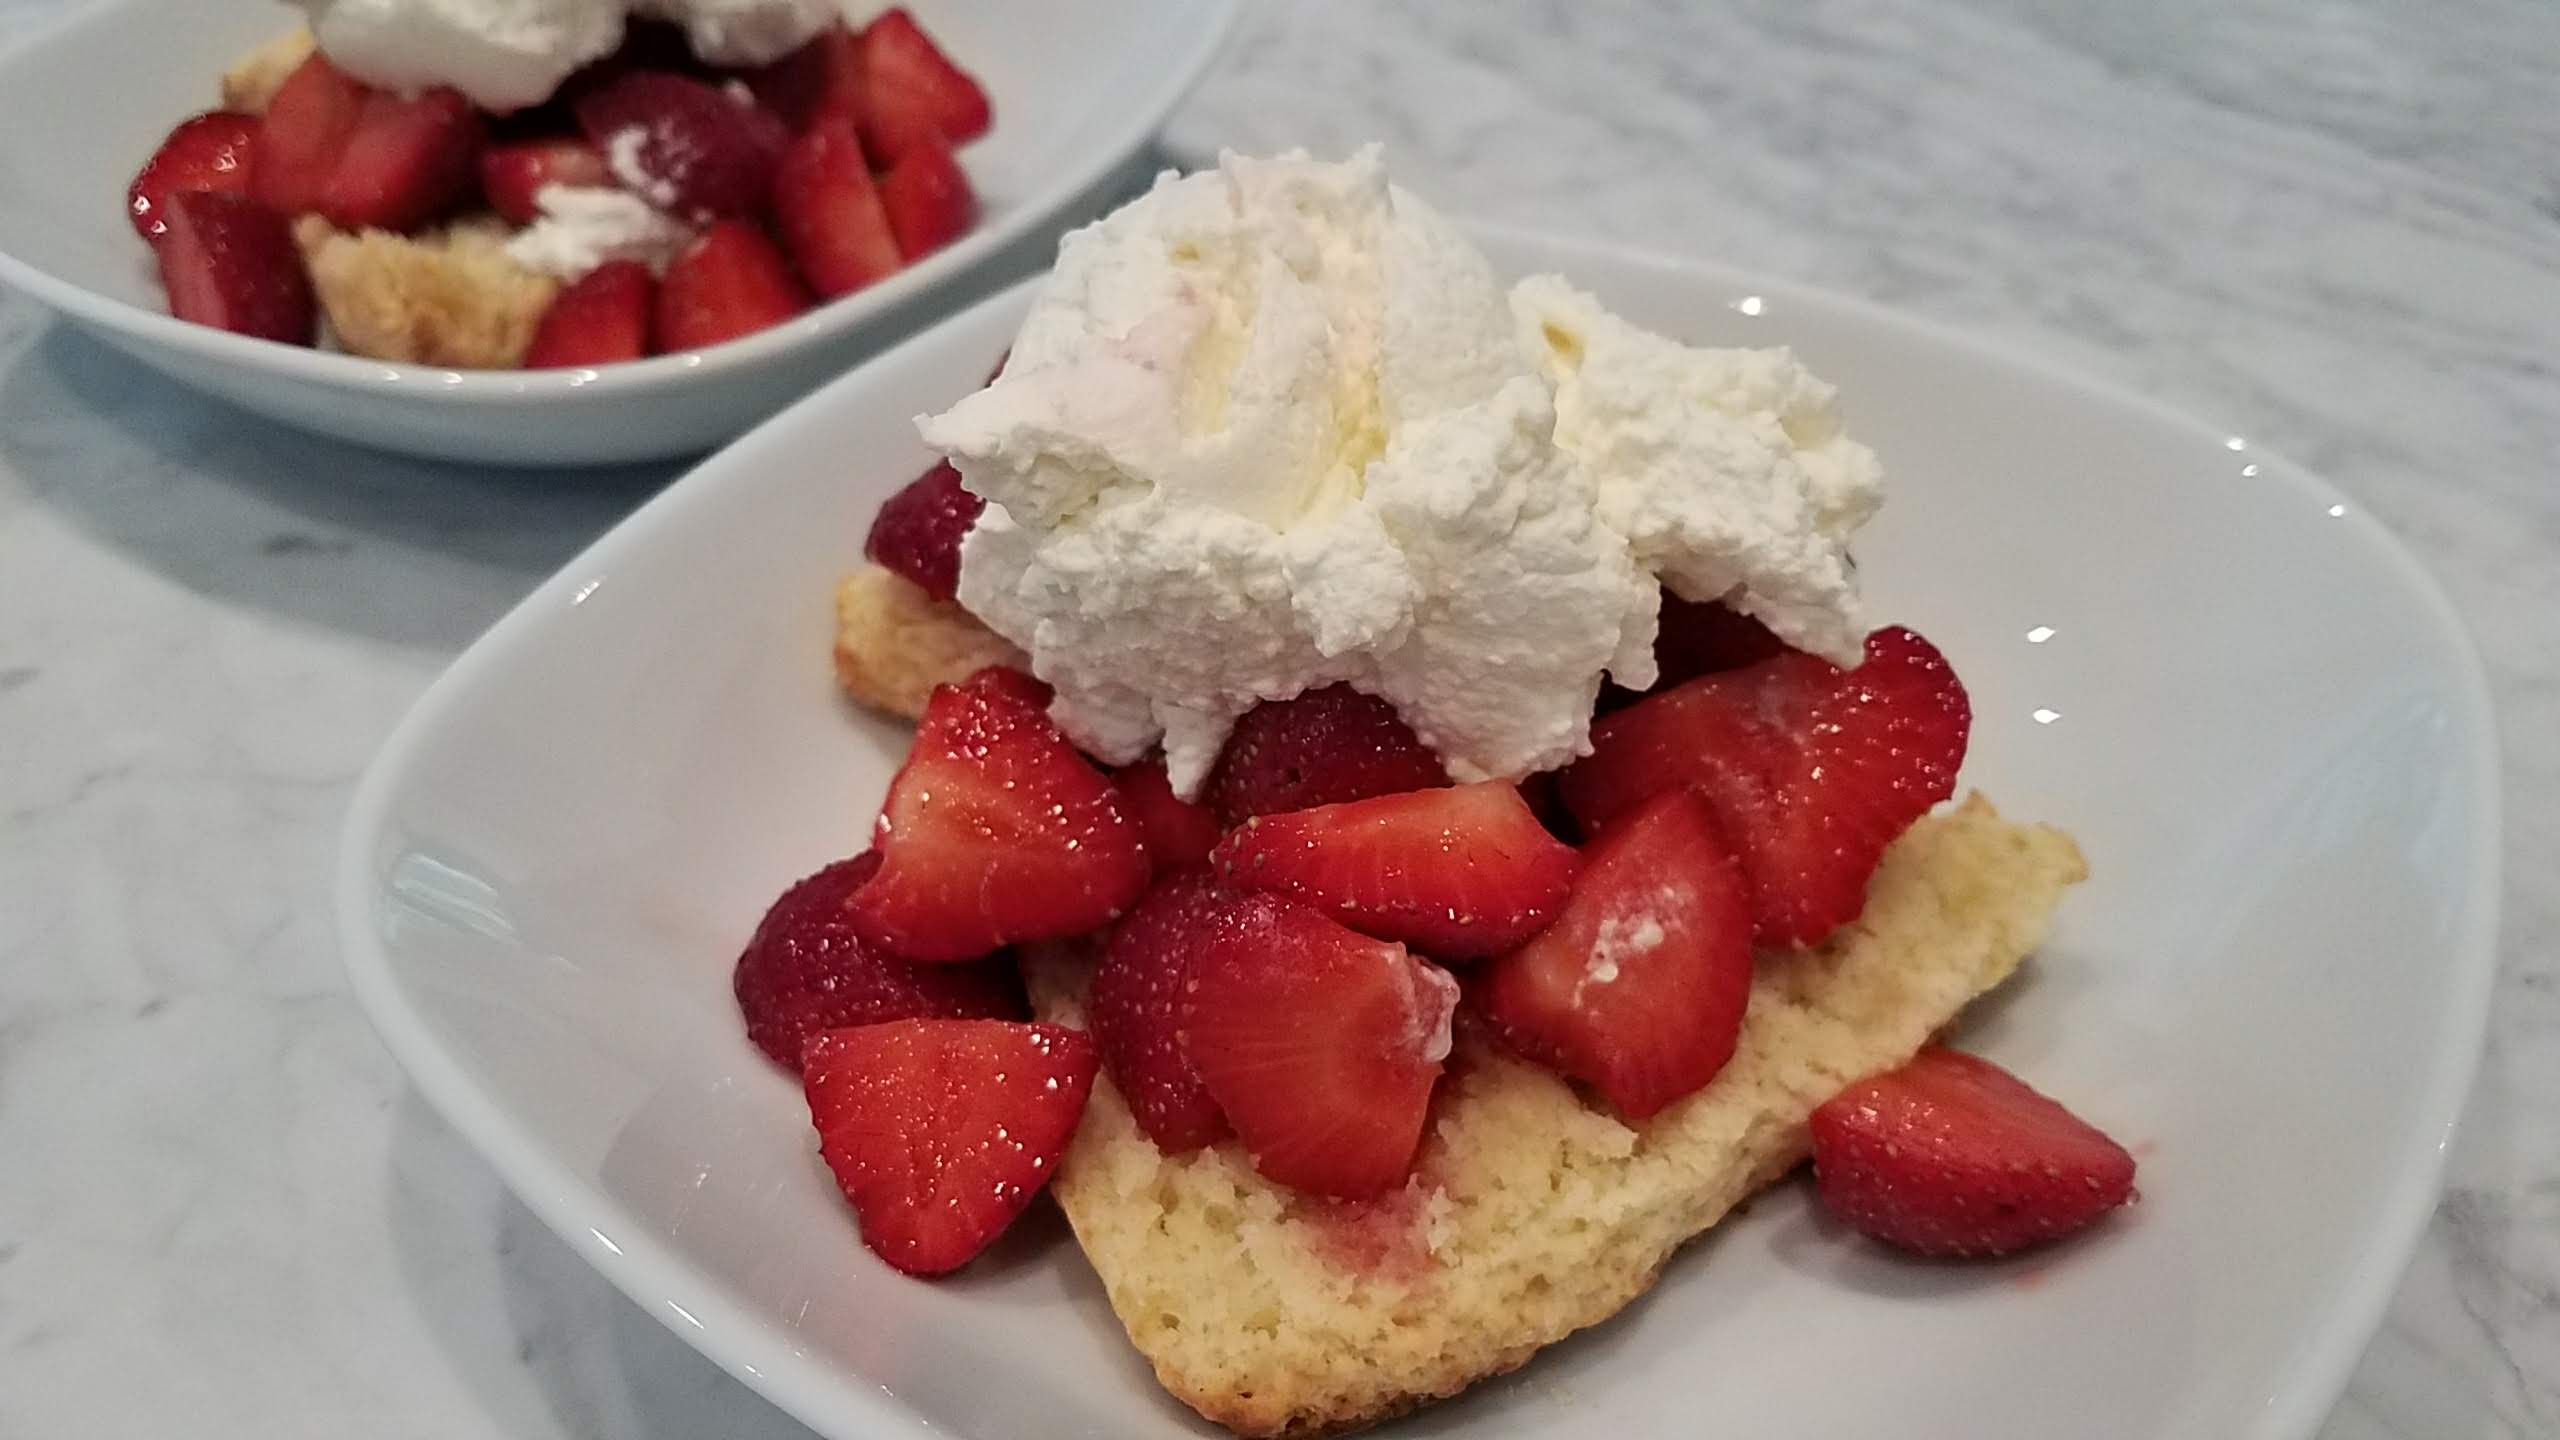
(1078, 89)
(2259, 717)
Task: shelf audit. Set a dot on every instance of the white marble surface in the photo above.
(2334, 226)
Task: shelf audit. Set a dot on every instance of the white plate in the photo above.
(2260, 718)
(1077, 91)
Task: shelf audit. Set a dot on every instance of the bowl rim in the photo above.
(1214, 28)
(2302, 1392)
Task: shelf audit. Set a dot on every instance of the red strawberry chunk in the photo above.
(1953, 1156)
(940, 1132)
(512, 176)
(918, 530)
(730, 281)
(303, 134)
(1698, 637)
(1639, 988)
(830, 213)
(596, 319)
(212, 151)
(229, 262)
(1811, 770)
(995, 831)
(684, 145)
(820, 80)
(1320, 1044)
(1458, 873)
(1135, 1009)
(805, 971)
(928, 199)
(1320, 748)
(406, 162)
(1180, 833)
(909, 92)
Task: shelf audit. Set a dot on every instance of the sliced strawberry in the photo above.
(406, 162)
(212, 151)
(1458, 873)
(941, 1131)
(303, 133)
(829, 212)
(1953, 1156)
(1638, 988)
(1135, 1009)
(918, 530)
(229, 262)
(729, 281)
(1320, 1044)
(512, 176)
(1320, 748)
(995, 831)
(910, 92)
(1811, 770)
(684, 145)
(596, 319)
(805, 971)
(1179, 832)
(1698, 637)
(819, 80)
(927, 198)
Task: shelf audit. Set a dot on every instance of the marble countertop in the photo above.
(2330, 224)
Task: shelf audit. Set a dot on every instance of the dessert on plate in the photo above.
(491, 184)
(1409, 821)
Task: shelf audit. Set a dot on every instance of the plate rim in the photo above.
(2304, 1388)
(815, 327)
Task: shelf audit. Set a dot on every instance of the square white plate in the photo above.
(2259, 717)
(1077, 90)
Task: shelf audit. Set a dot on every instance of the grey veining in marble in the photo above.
(2332, 225)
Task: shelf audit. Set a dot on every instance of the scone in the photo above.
(894, 642)
(448, 297)
(1533, 1214)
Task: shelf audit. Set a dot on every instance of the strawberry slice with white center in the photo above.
(229, 262)
(684, 145)
(1811, 770)
(1639, 987)
(1180, 833)
(1135, 1007)
(829, 212)
(1319, 1043)
(909, 92)
(597, 319)
(1457, 873)
(941, 1131)
(995, 831)
(728, 282)
(1953, 1156)
(513, 176)
(927, 198)
(212, 151)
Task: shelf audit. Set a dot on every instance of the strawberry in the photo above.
(1638, 988)
(1320, 1044)
(818, 81)
(729, 281)
(303, 134)
(1953, 1156)
(513, 175)
(1698, 637)
(1180, 833)
(995, 831)
(806, 971)
(684, 145)
(908, 92)
(1457, 873)
(1319, 748)
(1135, 1009)
(1811, 770)
(941, 1131)
(229, 262)
(596, 319)
(928, 199)
(918, 530)
(829, 212)
(212, 151)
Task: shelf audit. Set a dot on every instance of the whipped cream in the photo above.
(1278, 425)
(509, 54)
(583, 226)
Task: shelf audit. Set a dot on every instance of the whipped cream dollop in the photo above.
(1278, 425)
(509, 54)
(582, 226)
